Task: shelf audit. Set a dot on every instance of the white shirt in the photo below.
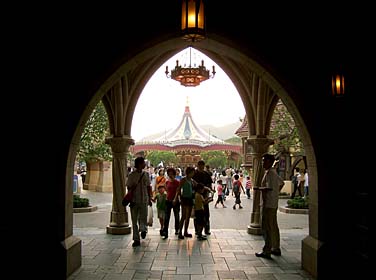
(140, 187)
(306, 179)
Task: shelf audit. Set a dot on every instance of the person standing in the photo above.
(139, 183)
(160, 198)
(172, 186)
(219, 194)
(160, 180)
(200, 201)
(248, 186)
(185, 192)
(271, 185)
(306, 183)
(295, 181)
(203, 177)
(237, 188)
(229, 174)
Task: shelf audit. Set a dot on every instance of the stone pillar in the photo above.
(119, 215)
(247, 157)
(259, 146)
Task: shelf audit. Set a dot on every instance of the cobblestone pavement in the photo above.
(229, 252)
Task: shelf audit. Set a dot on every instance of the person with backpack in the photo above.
(237, 188)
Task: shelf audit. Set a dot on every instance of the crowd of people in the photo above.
(187, 193)
(188, 196)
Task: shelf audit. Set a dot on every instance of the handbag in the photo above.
(127, 199)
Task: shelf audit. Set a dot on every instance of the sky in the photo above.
(162, 103)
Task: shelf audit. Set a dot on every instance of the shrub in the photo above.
(298, 203)
(79, 202)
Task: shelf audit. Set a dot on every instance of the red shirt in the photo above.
(171, 187)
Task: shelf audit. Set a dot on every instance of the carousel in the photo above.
(187, 141)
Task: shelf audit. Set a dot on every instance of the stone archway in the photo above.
(124, 87)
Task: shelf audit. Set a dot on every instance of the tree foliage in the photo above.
(215, 159)
(168, 158)
(92, 143)
(284, 130)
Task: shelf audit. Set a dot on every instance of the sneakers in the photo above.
(143, 234)
(276, 252)
(136, 243)
(263, 255)
(201, 237)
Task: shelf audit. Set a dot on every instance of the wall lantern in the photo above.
(338, 85)
(193, 20)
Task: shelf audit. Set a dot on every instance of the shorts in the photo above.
(161, 214)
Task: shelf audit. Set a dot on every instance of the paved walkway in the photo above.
(229, 252)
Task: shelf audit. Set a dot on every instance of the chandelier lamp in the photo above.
(192, 30)
(190, 76)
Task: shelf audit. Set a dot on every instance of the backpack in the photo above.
(236, 187)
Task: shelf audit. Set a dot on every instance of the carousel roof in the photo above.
(186, 136)
(187, 133)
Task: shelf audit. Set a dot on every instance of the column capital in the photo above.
(259, 144)
(120, 144)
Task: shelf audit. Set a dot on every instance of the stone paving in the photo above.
(228, 253)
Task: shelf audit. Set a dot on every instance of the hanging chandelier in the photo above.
(190, 76)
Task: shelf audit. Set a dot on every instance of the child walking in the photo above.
(220, 194)
(248, 186)
(161, 198)
(237, 187)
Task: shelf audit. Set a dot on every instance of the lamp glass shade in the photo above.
(193, 20)
(338, 85)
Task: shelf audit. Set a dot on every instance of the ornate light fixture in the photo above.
(338, 85)
(190, 76)
(193, 20)
(193, 30)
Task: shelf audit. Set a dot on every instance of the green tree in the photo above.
(92, 143)
(283, 128)
(215, 159)
(168, 158)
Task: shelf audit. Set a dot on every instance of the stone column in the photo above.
(119, 215)
(247, 157)
(259, 146)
